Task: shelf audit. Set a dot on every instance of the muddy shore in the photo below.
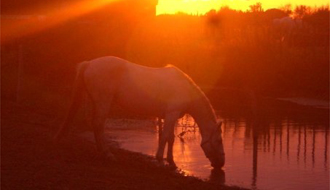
(30, 160)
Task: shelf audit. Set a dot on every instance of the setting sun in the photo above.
(203, 6)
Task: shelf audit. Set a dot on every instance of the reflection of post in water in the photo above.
(257, 122)
(279, 127)
(236, 127)
(255, 154)
(287, 140)
(264, 141)
(305, 143)
(299, 143)
(248, 129)
(313, 147)
(274, 144)
(266, 138)
(252, 126)
(278, 133)
(326, 131)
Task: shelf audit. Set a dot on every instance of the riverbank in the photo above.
(316, 103)
(29, 160)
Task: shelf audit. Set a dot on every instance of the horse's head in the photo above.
(213, 148)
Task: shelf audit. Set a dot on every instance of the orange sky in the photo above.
(203, 6)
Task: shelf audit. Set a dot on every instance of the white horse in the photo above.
(166, 93)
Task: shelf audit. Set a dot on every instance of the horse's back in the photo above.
(141, 89)
(105, 65)
(101, 78)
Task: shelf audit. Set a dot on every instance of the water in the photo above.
(283, 151)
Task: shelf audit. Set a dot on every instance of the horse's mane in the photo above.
(198, 91)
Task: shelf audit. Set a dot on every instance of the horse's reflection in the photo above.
(218, 176)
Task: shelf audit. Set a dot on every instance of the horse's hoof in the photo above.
(171, 163)
(172, 166)
(159, 159)
(160, 164)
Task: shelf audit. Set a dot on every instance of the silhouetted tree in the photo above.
(272, 14)
(286, 8)
(256, 7)
(301, 10)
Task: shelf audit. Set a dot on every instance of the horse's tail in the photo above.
(77, 96)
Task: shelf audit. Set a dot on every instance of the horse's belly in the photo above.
(140, 104)
(142, 108)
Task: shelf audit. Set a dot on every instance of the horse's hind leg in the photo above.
(101, 110)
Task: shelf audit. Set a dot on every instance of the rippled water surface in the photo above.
(286, 151)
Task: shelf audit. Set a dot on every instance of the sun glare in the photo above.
(12, 30)
(202, 6)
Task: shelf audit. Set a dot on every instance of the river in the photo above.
(287, 147)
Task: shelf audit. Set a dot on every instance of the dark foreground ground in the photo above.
(29, 160)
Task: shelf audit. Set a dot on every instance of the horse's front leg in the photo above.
(167, 137)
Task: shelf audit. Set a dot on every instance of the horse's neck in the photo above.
(203, 114)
